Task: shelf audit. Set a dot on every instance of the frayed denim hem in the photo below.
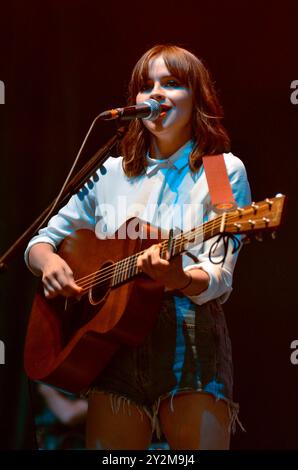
(117, 401)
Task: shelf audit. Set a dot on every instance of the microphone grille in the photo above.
(155, 109)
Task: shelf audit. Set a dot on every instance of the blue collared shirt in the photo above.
(168, 195)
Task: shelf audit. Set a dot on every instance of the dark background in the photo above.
(62, 63)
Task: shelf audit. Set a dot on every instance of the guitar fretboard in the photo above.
(255, 217)
(127, 268)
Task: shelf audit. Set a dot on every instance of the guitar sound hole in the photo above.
(101, 284)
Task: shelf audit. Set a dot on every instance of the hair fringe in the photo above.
(208, 133)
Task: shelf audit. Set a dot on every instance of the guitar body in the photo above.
(70, 341)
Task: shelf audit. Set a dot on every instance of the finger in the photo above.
(154, 258)
(72, 289)
(157, 259)
(163, 263)
(51, 284)
(144, 260)
(60, 285)
(144, 263)
(153, 254)
(140, 261)
(150, 260)
(46, 292)
(49, 292)
(67, 283)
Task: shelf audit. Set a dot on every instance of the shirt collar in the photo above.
(177, 161)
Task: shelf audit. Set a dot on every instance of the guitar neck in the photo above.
(256, 217)
(127, 268)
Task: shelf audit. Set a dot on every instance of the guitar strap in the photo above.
(220, 190)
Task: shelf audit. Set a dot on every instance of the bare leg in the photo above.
(197, 422)
(125, 429)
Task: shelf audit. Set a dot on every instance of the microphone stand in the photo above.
(69, 188)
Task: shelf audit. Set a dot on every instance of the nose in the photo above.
(157, 92)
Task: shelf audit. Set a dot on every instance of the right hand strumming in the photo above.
(57, 278)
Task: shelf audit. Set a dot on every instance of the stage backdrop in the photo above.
(61, 63)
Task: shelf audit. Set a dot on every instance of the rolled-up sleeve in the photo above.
(221, 275)
(78, 213)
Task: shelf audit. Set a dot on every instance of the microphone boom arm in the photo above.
(71, 188)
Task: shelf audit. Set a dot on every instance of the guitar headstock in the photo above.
(263, 215)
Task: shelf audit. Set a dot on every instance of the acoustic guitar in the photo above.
(70, 340)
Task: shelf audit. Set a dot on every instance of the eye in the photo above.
(172, 83)
(145, 87)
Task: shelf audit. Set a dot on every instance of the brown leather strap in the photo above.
(220, 190)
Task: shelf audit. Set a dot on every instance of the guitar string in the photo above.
(129, 264)
(215, 223)
(178, 240)
(118, 277)
(130, 261)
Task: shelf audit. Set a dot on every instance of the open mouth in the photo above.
(165, 108)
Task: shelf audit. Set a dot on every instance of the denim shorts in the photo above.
(188, 350)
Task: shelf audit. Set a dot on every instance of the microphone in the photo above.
(149, 109)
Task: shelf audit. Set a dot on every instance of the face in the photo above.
(167, 89)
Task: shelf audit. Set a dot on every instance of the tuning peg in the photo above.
(255, 207)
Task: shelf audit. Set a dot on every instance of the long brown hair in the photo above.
(208, 133)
